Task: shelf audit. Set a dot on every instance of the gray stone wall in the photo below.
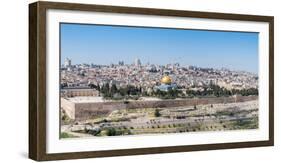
(88, 110)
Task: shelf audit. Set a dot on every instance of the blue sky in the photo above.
(100, 44)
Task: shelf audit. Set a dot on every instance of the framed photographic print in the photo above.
(111, 81)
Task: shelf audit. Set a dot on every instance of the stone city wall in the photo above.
(82, 111)
(68, 107)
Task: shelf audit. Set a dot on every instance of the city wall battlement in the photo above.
(86, 110)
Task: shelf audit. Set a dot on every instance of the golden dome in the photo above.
(166, 80)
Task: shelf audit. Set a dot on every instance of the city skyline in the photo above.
(145, 64)
(101, 45)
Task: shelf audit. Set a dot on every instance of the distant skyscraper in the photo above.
(121, 63)
(67, 63)
(137, 62)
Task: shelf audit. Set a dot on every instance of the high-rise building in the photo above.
(137, 62)
(121, 63)
(67, 63)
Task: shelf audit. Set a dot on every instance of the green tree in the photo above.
(113, 89)
(110, 132)
(106, 90)
(157, 113)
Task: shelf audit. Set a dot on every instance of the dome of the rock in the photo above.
(166, 80)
